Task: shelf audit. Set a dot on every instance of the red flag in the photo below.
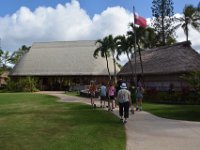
(140, 20)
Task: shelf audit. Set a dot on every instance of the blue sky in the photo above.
(92, 7)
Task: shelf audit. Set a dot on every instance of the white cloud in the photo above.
(68, 22)
(65, 22)
(194, 35)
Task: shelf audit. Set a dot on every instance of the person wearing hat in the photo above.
(124, 99)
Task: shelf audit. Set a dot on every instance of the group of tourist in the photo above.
(120, 95)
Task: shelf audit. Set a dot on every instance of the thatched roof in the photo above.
(62, 59)
(177, 58)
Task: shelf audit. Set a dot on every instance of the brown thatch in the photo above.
(177, 58)
(62, 58)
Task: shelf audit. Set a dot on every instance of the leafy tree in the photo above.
(191, 16)
(198, 8)
(141, 38)
(19, 53)
(112, 49)
(193, 79)
(144, 38)
(1, 61)
(124, 46)
(27, 84)
(162, 11)
(1, 53)
(5, 59)
(103, 49)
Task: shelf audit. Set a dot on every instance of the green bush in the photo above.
(27, 84)
(173, 98)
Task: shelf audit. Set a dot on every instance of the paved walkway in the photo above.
(148, 132)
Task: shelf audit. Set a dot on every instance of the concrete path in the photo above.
(148, 132)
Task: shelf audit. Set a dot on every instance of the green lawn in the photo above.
(178, 112)
(39, 122)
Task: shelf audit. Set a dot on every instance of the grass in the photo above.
(178, 112)
(39, 122)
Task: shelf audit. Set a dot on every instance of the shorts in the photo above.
(112, 97)
(92, 95)
(139, 95)
(103, 98)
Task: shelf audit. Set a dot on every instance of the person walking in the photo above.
(124, 99)
(111, 95)
(103, 94)
(92, 91)
(139, 93)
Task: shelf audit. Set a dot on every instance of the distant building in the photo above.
(164, 66)
(60, 64)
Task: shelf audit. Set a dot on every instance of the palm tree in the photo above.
(141, 38)
(16, 55)
(145, 38)
(5, 58)
(112, 48)
(1, 69)
(1, 53)
(103, 49)
(124, 46)
(191, 16)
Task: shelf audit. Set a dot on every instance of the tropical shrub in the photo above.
(27, 84)
(185, 96)
(193, 79)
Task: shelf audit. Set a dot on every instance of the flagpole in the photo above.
(135, 46)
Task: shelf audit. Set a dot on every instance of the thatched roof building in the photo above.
(164, 65)
(69, 60)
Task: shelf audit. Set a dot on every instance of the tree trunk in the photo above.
(139, 49)
(140, 58)
(186, 31)
(134, 75)
(163, 30)
(115, 71)
(108, 67)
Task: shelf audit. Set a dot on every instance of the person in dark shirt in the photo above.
(119, 83)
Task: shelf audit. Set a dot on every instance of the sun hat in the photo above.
(123, 86)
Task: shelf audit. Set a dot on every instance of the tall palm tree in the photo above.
(135, 36)
(103, 49)
(124, 46)
(5, 58)
(145, 38)
(1, 69)
(139, 37)
(1, 53)
(112, 48)
(16, 55)
(191, 16)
